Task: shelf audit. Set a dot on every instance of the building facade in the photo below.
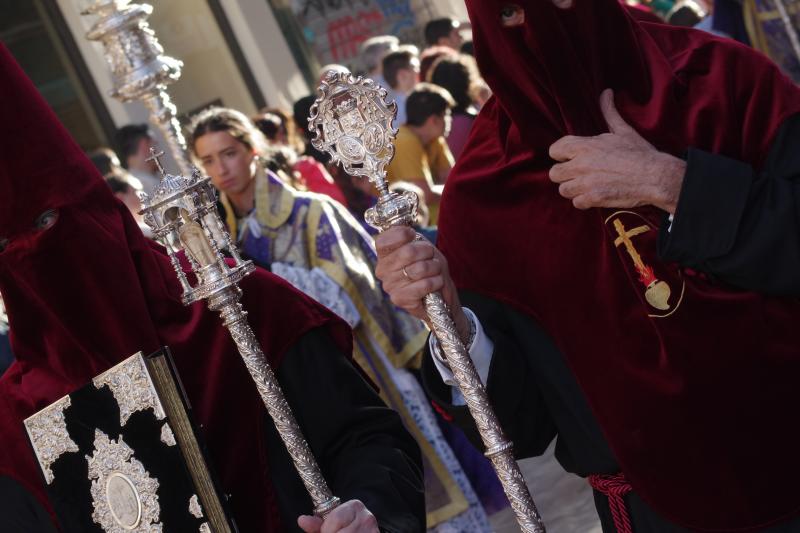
(245, 54)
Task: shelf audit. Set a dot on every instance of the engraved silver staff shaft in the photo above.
(226, 302)
(141, 71)
(352, 121)
(183, 216)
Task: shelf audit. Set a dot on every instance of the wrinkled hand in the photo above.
(616, 169)
(425, 272)
(350, 517)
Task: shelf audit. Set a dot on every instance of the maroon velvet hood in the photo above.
(87, 291)
(694, 383)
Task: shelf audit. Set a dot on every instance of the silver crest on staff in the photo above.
(182, 213)
(352, 121)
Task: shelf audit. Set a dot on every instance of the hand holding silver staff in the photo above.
(183, 215)
(352, 121)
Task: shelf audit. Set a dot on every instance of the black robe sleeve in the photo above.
(532, 390)
(21, 512)
(738, 225)
(363, 449)
(511, 385)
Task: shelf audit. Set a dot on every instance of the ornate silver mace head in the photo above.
(352, 121)
(182, 213)
(137, 59)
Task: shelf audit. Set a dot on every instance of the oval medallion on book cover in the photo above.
(661, 285)
(123, 501)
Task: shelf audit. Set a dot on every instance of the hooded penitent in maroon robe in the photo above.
(84, 290)
(693, 382)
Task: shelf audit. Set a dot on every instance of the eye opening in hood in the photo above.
(46, 220)
(512, 15)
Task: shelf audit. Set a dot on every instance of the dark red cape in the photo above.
(91, 291)
(697, 400)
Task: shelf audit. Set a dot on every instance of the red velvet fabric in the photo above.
(697, 399)
(91, 291)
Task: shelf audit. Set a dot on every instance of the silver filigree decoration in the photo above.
(132, 388)
(124, 495)
(167, 436)
(194, 507)
(48, 433)
(352, 121)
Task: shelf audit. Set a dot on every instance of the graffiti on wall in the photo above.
(335, 29)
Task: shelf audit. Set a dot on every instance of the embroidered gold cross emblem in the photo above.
(656, 292)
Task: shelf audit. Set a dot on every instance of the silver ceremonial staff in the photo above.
(352, 121)
(183, 215)
(139, 67)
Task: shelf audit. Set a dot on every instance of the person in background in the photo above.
(303, 172)
(371, 56)
(357, 192)
(300, 113)
(444, 32)
(128, 195)
(401, 70)
(133, 147)
(278, 126)
(106, 161)
(421, 155)
(316, 245)
(756, 24)
(459, 75)
(431, 55)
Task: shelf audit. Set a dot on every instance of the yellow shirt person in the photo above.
(421, 153)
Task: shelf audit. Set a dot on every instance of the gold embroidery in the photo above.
(657, 292)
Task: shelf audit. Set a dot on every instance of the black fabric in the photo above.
(363, 449)
(20, 511)
(740, 226)
(532, 390)
(537, 398)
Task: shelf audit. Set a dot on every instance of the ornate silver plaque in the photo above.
(47, 430)
(167, 436)
(123, 493)
(194, 507)
(353, 123)
(132, 388)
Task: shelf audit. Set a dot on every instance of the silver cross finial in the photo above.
(154, 156)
